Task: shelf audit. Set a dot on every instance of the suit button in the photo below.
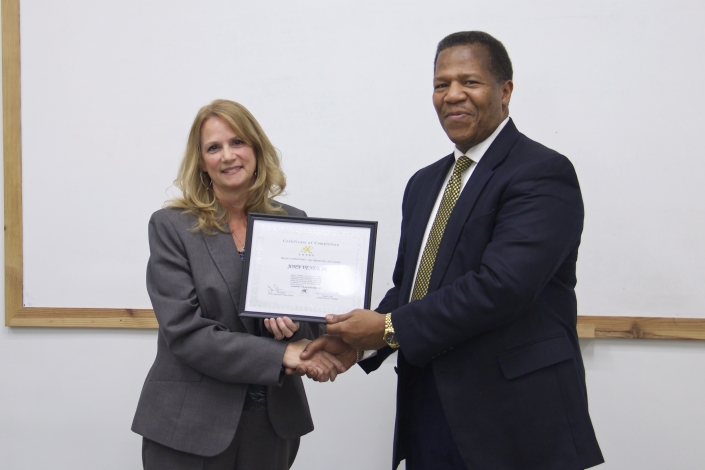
(395, 370)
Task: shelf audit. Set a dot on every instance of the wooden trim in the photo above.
(643, 327)
(585, 330)
(18, 315)
(589, 327)
(84, 317)
(12, 148)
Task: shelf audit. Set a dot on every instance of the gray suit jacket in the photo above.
(206, 354)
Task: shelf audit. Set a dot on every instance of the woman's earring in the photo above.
(203, 182)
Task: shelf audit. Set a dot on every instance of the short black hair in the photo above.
(500, 64)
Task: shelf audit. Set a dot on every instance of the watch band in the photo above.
(389, 336)
(388, 323)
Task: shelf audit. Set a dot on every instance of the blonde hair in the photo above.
(195, 185)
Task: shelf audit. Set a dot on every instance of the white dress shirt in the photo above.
(474, 154)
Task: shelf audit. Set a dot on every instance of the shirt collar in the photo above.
(475, 153)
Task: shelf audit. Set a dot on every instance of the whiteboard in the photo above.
(343, 89)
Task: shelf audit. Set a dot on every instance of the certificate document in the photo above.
(306, 268)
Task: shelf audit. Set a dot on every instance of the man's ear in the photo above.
(507, 88)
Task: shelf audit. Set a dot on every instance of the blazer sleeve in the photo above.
(391, 298)
(386, 305)
(539, 222)
(204, 344)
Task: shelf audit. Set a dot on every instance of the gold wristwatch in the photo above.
(389, 337)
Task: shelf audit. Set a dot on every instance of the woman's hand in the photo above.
(282, 327)
(324, 365)
(334, 346)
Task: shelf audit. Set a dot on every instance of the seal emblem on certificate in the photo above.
(305, 268)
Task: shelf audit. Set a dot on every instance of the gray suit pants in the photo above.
(255, 447)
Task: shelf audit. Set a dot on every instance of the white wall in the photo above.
(67, 396)
(109, 90)
(646, 402)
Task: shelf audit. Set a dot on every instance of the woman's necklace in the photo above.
(237, 239)
(241, 252)
(233, 229)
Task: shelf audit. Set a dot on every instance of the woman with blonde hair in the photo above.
(220, 394)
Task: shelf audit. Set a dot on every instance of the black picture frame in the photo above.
(252, 220)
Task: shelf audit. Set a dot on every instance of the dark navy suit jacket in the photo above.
(498, 326)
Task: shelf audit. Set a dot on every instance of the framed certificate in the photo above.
(305, 268)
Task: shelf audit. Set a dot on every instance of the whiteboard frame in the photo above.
(17, 315)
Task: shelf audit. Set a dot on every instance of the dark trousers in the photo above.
(428, 442)
(255, 447)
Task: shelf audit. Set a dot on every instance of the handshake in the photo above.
(334, 353)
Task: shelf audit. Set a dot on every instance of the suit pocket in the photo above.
(176, 376)
(537, 355)
(476, 218)
(477, 231)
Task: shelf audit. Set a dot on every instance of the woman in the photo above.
(217, 396)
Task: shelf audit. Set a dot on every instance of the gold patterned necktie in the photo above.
(450, 197)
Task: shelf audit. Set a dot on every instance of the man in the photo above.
(483, 309)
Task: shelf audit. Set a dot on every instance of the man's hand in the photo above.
(361, 329)
(332, 345)
(322, 365)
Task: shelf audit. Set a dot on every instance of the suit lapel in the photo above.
(226, 258)
(492, 158)
(419, 221)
